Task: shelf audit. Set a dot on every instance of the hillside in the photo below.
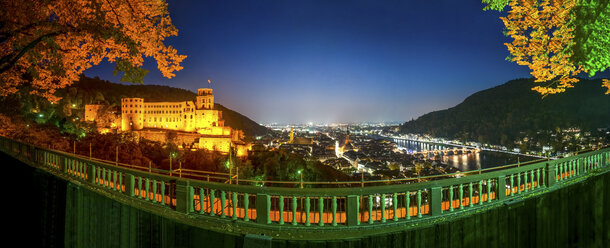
(91, 90)
(505, 112)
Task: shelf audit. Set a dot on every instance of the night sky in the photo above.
(335, 61)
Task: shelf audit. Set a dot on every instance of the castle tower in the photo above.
(132, 114)
(205, 99)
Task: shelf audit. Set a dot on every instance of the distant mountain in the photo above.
(91, 90)
(500, 114)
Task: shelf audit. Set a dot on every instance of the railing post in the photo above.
(91, 173)
(182, 196)
(436, 200)
(30, 152)
(130, 182)
(501, 194)
(63, 163)
(551, 177)
(263, 205)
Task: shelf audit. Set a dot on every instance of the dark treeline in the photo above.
(507, 112)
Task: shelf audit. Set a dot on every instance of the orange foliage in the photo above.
(542, 33)
(48, 44)
(606, 83)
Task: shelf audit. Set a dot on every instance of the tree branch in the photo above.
(8, 61)
(113, 11)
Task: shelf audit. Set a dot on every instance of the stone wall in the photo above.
(161, 136)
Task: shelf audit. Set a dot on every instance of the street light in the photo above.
(301, 174)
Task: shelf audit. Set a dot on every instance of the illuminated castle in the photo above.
(188, 116)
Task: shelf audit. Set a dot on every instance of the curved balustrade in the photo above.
(369, 206)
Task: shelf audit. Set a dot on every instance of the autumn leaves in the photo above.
(46, 45)
(546, 33)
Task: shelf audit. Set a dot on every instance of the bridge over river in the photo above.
(80, 202)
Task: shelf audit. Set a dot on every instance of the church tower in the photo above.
(347, 137)
(291, 135)
(205, 99)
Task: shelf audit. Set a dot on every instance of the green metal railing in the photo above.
(368, 206)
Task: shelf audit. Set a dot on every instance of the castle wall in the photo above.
(91, 111)
(179, 116)
(167, 115)
(161, 136)
(215, 143)
(132, 114)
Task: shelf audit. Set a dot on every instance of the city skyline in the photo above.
(345, 61)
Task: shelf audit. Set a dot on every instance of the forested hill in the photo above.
(92, 90)
(505, 112)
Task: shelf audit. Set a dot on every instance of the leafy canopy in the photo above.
(47, 44)
(557, 39)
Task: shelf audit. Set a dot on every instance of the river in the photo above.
(465, 162)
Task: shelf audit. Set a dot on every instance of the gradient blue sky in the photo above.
(335, 60)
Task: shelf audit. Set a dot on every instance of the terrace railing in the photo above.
(346, 207)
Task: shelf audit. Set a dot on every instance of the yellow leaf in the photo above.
(606, 83)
